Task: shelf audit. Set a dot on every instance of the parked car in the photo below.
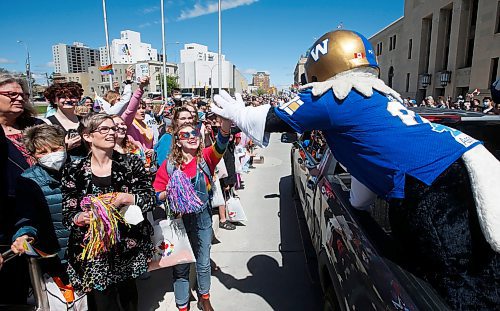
(356, 255)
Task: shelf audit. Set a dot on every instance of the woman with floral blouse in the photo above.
(109, 278)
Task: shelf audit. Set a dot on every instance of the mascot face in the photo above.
(336, 52)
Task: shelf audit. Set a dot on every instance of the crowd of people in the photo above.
(471, 102)
(122, 149)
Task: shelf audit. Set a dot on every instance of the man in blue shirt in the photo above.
(422, 169)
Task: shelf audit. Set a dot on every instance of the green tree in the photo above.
(171, 82)
(261, 91)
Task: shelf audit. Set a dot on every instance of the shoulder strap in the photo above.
(206, 170)
(170, 168)
(54, 121)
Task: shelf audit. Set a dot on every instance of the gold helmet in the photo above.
(338, 51)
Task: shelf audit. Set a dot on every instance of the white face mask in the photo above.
(177, 97)
(54, 160)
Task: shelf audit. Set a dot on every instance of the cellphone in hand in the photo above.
(72, 133)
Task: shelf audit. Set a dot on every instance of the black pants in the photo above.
(116, 297)
(438, 229)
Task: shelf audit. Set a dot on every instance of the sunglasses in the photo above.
(103, 130)
(187, 135)
(14, 95)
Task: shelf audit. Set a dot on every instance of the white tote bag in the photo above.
(217, 196)
(57, 302)
(171, 244)
(235, 210)
(221, 169)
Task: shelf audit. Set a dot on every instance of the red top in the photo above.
(211, 156)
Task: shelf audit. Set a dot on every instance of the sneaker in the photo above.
(226, 225)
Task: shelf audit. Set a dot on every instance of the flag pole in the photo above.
(107, 43)
(219, 77)
(165, 88)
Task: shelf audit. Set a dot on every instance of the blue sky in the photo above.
(262, 35)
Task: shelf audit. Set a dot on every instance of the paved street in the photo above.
(262, 264)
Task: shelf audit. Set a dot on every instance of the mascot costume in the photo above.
(443, 186)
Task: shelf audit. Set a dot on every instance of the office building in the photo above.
(441, 48)
(261, 80)
(128, 50)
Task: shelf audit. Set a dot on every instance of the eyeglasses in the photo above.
(103, 130)
(121, 129)
(187, 135)
(14, 95)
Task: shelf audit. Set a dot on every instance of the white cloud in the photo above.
(212, 7)
(251, 71)
(7, 61)
(149, 24)
(150, 9)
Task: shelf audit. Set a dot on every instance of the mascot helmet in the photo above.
(495, 91)
(338, 51)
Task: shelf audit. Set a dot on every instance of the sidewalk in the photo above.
(262, 262)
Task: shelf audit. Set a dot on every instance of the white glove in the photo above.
(251, 120)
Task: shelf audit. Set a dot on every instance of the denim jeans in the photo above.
(199, 231)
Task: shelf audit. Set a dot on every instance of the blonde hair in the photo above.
(111, 97)
(176, 156)
(41, 136)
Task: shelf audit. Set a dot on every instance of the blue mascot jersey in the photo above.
(377, 139)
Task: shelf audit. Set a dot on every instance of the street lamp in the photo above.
(28, 70)
(211, 79)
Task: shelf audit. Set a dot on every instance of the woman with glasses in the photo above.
(198, 165)
(65, 97)
(109, 278)
(16, 114)
(181, 116)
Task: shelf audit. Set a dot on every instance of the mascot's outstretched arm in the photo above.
(441, 183)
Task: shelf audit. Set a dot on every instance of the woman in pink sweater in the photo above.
(138, 131)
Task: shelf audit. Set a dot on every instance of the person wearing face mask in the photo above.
(488, 105)
(39, 198)
(177, 97)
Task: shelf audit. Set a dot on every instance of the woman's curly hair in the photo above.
(176, 154)
(62, 90)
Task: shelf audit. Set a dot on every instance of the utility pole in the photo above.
(220, 49)
(165, 89)
(107, 42)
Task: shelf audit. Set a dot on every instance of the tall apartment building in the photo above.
(441, 48)
(128, 50)
(261, 80)
(74, 58)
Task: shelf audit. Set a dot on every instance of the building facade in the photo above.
(73, 58)
(93, 82)
(128, 50)
(299, 70)
(441, 48)
(198, 72)
(261, 80)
